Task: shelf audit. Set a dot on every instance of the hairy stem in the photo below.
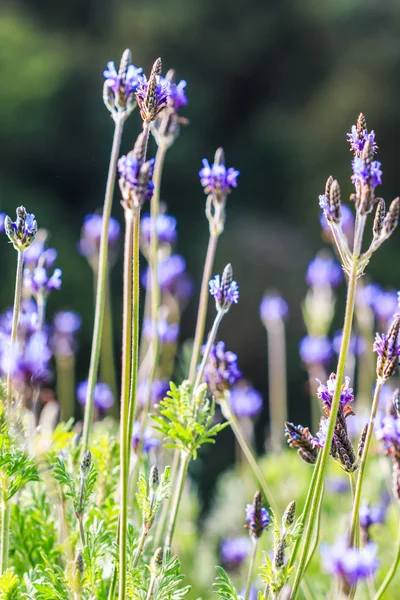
(101, 284)
(5, 533)
(108, 369)
(180, 484)
(258, 474)
(140, 547)
(14, 328)
(363, 461)
(251, 568)
(277, 382)
(125, 393)
(203, 303)
(348, 321)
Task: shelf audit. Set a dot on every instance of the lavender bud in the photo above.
(126, 60)
(388, 350)
(219, 157)
(79, 564)
(153, 479)
(224, 290)
(335, 202)
(392, 218)
(157, 562)
(153, 95)
(361, 443)
(300, 437)
(279, 555)
(86, 463)
(289, 515)
(328, 184)
(257, 516)
(120, 86)
(379, 218)
(21, 232)
(361, 123)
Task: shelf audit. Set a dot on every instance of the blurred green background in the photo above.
(277, 84)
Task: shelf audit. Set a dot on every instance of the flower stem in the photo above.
(14, 329)
(390, 574)
(82, 532)
(166, 505)
(276, 382)
(316, 535)
(210, 341)
(357, 494)
(306, 509)
(183, 469)
(151, 587)
(101, 284)
(258, 474)
(251, 568)
(108, 370)
(348, 321)
(139, 549)
(5, 533)
(125, 394)
(65, 367)
(203, 303)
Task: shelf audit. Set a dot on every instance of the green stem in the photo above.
(151, 587)
(392, 571)
(135, 282)
(353, 486)
(251, 568)
(363, 461)
(82, 532)
(258, 474)
(306, 510)
(14, 328)
(211, 339)
(316, 535)
(183, 469)
(276, 382)
(140, 547)
(348, 321)
(65, 366)
(101, 284)
(5, 533)
(166, 504)
(203, 303)
(125, 393)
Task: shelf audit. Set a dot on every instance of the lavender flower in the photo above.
(39, 282)
(324, 272)
(388, 349)
(120, 86)
(385, 305)
(217, 180)
(149, 442)
(387, 429)
(224, 290)
(66, 325)
(153, 94)
(234, 551)
(159, 389)
(350, 564)
(257, 516)
(358, 136)
(338, 485)
(372, 515)
(167, 332)
(221, 371)
(326, 392)
(165, 228)
(21, 232)
(135, 179)
(315, 350)
(103, 397)
(178, 98)
(300, 437)
(89, 244)
(169, 271)
(273, 308)
(366, 174)
(31, 367)
(245, 401)
(346, 221)
(2, 219)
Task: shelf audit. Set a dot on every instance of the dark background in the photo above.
(277, 84)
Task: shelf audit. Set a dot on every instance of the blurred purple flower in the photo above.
(324, 271)
(221, 371)
(315, 350)
(103, 397)
(165, 228)
(39, 282)
(347, 219)
(326, 392)
(234, 551)
(168, 272)
(129, 81)
(385, 305)
(217, 179)
(159, 389)
(245, 401)
(372, 515)
(149, 442)
(366, 174)
(89, 243)
(338, 485)
(32, 366)
(357, 140)
(167, 332)
(65, 324)
(387, 429)
(2, 217)
(349, 564)
(358, 345)
(273, 308)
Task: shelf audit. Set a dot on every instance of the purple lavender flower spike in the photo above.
(66, 325)
(39, 281)
(324, 271)
(168, 272)
(315, 350)
(347, 218)
(167, 332)
(326, 392)
(129, 81)
(165, 229)
(31, 367)
(153, 94)
(357, 140)
(178, 98)
(221, 371)
(245, 401)
(120, 86)
(234, 551)
(149, 442)
(217, 179)
(350, 564)
(136, 177)
(21, 232)
(89, 243)
(357, 347)
(388, 349)
(224, 290)
(257, 516)
(366, 175)
(273, 308)
(103, 396)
